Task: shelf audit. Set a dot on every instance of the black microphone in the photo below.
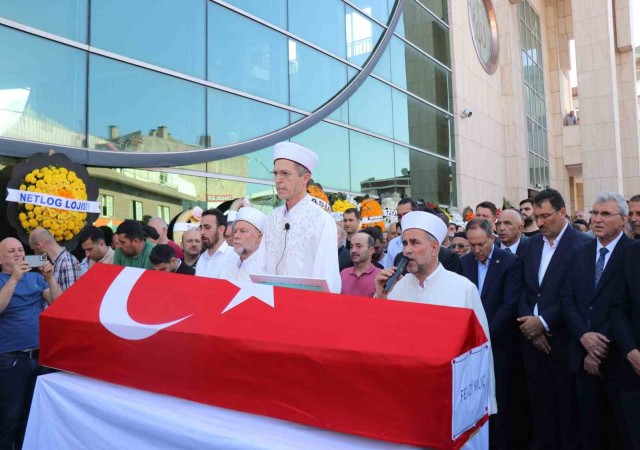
(287, 226)
(393, 279)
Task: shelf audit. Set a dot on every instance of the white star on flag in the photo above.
(262, 292)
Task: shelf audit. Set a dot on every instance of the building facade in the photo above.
(168, 102)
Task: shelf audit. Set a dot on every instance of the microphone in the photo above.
(393, 279)
(287, 226)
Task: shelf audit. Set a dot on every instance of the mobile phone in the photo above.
(35, 260)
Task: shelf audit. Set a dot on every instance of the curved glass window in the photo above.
(331, 143)
(322, 24)
(431, 179)
(378, 9)
(371, 108)
(235, 119)
(161, 32)
(314, 77)
(135, 109)
(425, 31)
(273, 11)
(41, 98)
(371, 162)
(67, 18)
(362, 36)
(438, 7)
(247, 56)
(420, 125)
(416, 73)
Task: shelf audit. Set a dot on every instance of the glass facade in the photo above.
(534, 99)
(167, 76)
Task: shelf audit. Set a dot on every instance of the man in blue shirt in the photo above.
(23, 295)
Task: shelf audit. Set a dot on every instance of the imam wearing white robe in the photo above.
(445, 288)
(237, 270)
(308, 249)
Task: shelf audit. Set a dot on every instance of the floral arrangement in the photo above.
(60, 197)
(318, 196)
(59, 181)
(341, 203)
(467, 214)
(371, 213)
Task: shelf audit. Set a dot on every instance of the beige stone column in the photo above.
(627, 101)
(593, 27)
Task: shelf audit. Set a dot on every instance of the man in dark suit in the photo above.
(164, 259)
(625, 329)
(593, 278)
(545, 350)
(498, 276)
(509, 226)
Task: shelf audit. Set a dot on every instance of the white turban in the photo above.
(296, 153)
(428, 222)
(251, 215)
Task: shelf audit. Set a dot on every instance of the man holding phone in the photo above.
(23, 295)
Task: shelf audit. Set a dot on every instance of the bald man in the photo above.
(191, 247)
(162, 228)
(510, 226)
(22, 296)
(66, 268)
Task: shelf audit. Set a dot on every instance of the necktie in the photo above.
(600, 265)
(507, 249)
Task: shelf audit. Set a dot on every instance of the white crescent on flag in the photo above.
(114, 314)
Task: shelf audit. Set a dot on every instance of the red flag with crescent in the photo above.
(363, 366)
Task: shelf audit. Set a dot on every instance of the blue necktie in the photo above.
(600, 265)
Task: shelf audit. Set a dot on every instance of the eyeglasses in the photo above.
(460, 246)
(544, 217)
(604, 214)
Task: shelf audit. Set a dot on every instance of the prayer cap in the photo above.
(428, 222)
(296, 153)
(256, 218)
(232, 216)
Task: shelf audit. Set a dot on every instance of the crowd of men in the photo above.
(558, 299)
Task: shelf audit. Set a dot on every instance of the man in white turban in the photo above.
(427, 281)
(248, 227)
(300, 237)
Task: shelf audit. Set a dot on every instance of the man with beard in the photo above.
(542, 324)
(217, 251)
(191, 247)
(530, 226)
(360, 279)
(247, 234)
(427, 281)
(634, 214)
(300, 238)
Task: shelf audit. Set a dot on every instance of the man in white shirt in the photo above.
(427, 281)
(509, 226)
(216, 250)
(247, 234)
(300, 238)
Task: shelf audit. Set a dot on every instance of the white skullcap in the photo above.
(256, 218)
(296, 153)
(231, 216)
(428, 222)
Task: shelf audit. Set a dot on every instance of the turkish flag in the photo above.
(369, 367)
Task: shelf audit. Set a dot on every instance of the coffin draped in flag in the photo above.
(395, 371)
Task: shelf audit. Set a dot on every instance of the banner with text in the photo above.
(52, 201)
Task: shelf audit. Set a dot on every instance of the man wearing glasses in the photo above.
(300, 238)
(545, 351)
(460, 244)
(593, 281)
